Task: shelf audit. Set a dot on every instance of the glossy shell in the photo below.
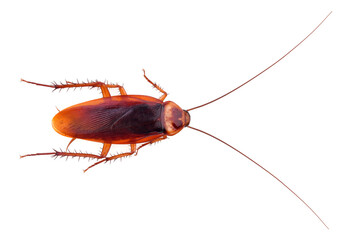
(118, 120)
(125, 119)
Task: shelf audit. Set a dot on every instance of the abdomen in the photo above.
(119, 119)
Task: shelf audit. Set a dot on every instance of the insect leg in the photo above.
(121, 155)
(151, 142)
(70, 143)
(103, 86)
(105, 149)
(164, 94)
(65, 154)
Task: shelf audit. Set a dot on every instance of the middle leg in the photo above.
(121, 155)
(151, 142)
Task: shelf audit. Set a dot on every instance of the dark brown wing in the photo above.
(119, 119)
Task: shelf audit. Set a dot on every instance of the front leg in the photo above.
(164, 93)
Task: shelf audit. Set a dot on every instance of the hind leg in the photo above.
(103, 86)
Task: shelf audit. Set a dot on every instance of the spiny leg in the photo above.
(121, 155)
(105, 150)
(103, 86)
(64, 154)
(164, 94)
(102, 156)
(151, 142)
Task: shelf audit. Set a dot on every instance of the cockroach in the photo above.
(136, 120)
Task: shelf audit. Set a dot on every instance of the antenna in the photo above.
(264, 69)
(264, 170)
(240, 151)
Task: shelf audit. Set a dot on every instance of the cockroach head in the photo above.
(174, 118)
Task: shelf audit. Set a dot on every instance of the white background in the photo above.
(291, 120)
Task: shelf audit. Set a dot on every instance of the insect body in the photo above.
(128, 119)
(133, 120)
(124, 119)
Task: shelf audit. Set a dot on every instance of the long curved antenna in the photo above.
(264, 69)
(264, 170)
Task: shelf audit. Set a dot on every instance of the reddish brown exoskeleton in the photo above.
(124, 119)
(136, 120)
